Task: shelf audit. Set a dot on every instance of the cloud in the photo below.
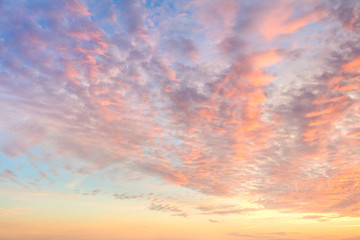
(164, 208)
(278, 18)
(125, 196)
(346, 12)
(182, 47)
(215, 100)
(133, 15)
(92, 193)
(8, 175)
(224, 210)
(213, 221)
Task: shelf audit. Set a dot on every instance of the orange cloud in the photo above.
(279, 21)
(265, 59)
(352, 66)
(76, 7)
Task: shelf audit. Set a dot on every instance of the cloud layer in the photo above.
(227, 98)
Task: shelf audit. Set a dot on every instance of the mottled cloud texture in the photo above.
(251, 99)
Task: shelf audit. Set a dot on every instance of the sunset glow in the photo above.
(179, 119)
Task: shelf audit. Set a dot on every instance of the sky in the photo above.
(179, 120)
